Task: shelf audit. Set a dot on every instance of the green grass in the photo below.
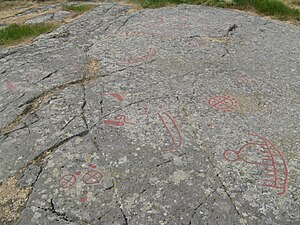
(275, 8)
(14, 34)
(79, 8)
(161, 3)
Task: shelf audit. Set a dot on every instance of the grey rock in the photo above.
(39, 9)
(168, 116)
(2, 26)
(59, 15)
(40, 19)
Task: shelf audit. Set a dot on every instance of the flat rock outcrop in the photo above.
(179, 115)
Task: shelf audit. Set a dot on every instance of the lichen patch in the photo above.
(12, 199)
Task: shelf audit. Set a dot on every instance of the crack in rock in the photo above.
(60, 215)
(217, 176)
(25, 126)
(170, 160)
(231, 29)
(126, 21)
(19, 196)
(199, 205)
(82, 107)
(68, 123)
(39, 158)
(35, 103)
(118, 202)
(229, 197)
(48, 76)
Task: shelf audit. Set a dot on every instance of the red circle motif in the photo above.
(67, 181)
(223, 103)
(92, 177)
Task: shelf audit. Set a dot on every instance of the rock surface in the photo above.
(40, 19)
(2, 26)
(59, 15)
(180, 115)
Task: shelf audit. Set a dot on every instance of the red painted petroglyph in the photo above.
(114, 123)
(147, 116)
(10, 85)
(146, 111)
(243, 80)
(117, 96)
(92, 177)
(84, 196)
(92, 166)
(67, 181)
(271, 159)
(223, 103)
(210, 125)
(177, 136)
(150, 54)
(119, 121)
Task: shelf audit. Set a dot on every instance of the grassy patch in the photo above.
(9, 8)
(79, 8)
(4, 5)
(275, 8)
(160, 3)
(14, 34)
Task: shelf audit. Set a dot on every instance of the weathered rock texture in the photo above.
(183, 115)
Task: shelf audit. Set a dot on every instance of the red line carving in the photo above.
(243, 80)
(172, 145)
(10, 85)
(92, 166)
(210, 125)
(161, 19)
(83, 199)
(272, 159)
(114, 123)
(223, 103)
(67, 181)
(92, 177)
(146, 111)
(119, 121)
(151, 53)
(117, 96)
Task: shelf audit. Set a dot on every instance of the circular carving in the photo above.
(67, 181)
(223, 103)
(92, 177)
